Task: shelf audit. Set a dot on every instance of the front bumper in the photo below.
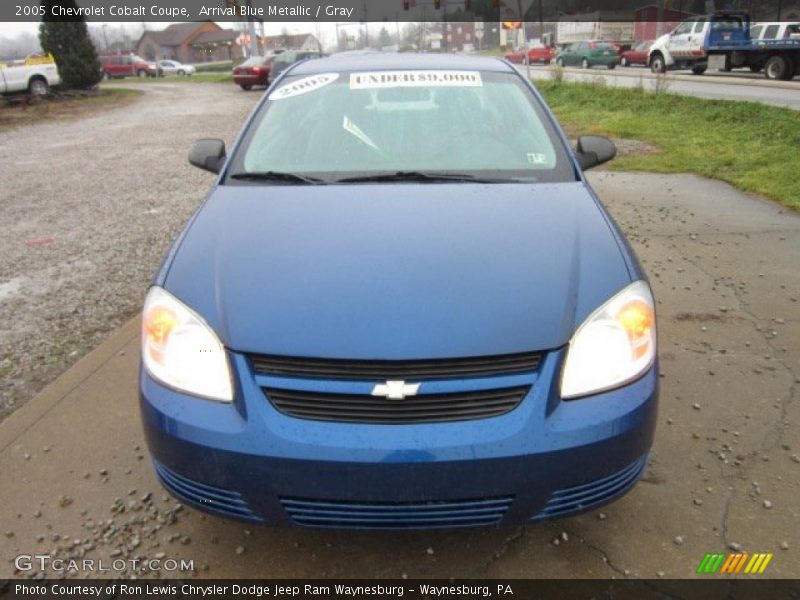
(546, 458)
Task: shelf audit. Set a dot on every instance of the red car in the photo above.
(636, 55)
(127, 65)
(538, 54)
(253, 71)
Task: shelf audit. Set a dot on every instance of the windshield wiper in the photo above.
(276, 176)
(422, 176)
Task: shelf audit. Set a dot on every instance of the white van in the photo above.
(775, 30)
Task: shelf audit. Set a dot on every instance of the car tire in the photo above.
(776, 68)
(611, 66)
(699, 70)
(141, 73)
(657, 64)
(181, 73)
(246, 88)
(790, 72)
(624, 62)
(585, 63)
(38, 86)
(525, 60)
(547, 61)
(106, 75)
(560, 62)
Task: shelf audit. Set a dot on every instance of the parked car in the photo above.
(173, 67)
(589, 54)
(400, 306)
(253, 71)
(637, 55)
(537, 54)
(286, 59)
(36, 74)
(127, 65)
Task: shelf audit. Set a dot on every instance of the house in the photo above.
(303, 42)
(190, 43)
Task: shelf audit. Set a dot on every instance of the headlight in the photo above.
(180, 350)
(613, 346)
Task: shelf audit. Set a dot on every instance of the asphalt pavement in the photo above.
(736, 85)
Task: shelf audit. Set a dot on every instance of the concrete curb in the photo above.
(21, 420)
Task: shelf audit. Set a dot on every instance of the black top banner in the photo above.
(375, 10)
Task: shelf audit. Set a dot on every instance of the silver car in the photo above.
(173, 67)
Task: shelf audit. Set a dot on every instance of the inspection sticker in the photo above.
(389, 79)
(303, 86)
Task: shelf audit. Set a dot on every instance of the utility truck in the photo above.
(723, 41)
(36, 74)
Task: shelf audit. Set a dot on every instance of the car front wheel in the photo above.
(585, 63)
(560, 62)
(141, 73)
(181, 73)
(246, 88)
(38, 87)
(699, 70)
(624, 62)
(657, 64)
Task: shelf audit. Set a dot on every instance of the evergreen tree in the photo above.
(69, 43)
(384, 38)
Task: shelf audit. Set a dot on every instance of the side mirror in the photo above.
(594, 150)
(208, 154)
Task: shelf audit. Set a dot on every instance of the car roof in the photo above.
(389, 61)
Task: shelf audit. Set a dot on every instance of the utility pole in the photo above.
(525, 39)
(251, 30)
(444, 26)
(366, 26)
(541, 23)
(660, 19)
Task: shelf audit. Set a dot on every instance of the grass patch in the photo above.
(209, 77)
(751, 146)
(21, 110)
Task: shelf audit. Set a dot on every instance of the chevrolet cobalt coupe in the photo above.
(400, 306)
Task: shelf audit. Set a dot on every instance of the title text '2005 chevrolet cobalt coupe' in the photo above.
(401, 306)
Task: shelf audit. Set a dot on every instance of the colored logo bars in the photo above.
(738, 562)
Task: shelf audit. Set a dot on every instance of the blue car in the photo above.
(401, 306)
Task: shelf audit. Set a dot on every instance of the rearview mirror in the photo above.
(594, 150)
(208, 154)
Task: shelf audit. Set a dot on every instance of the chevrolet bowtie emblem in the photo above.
(395, 390)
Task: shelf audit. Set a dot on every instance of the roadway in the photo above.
(743, 86)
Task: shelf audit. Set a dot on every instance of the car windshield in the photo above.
(335, 126)
(137, 59)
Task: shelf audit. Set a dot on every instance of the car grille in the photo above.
(219, 500)
(414, 370)
(396, 515)
(427, 408)
(583, 497)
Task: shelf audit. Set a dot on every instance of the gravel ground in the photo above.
(87, 209)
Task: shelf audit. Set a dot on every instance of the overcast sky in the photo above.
(326, 29)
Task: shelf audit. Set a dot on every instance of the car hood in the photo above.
(397, 271)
